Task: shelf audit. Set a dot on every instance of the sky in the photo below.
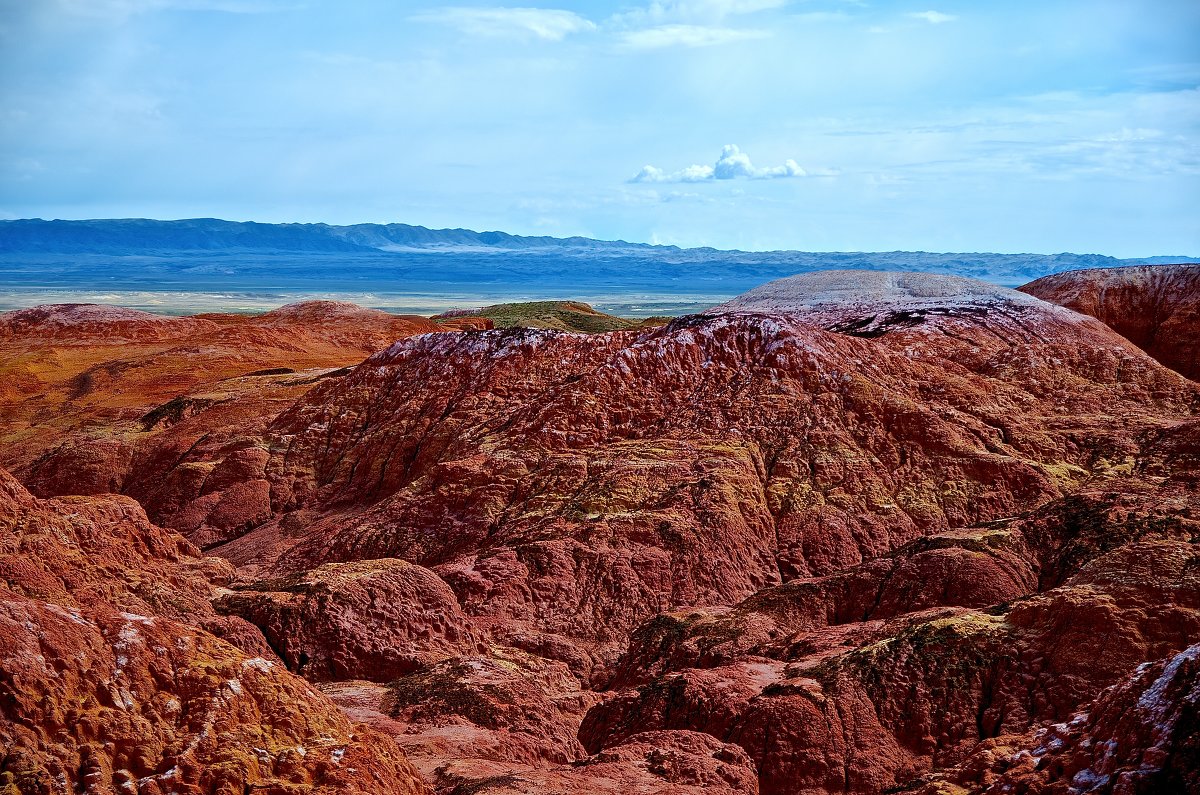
(823, 125)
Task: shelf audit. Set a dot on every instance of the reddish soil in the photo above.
(851, 532)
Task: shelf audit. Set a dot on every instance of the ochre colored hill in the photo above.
(90, 375)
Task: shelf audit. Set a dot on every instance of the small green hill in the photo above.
(561, 315)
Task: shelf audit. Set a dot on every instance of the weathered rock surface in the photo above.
(472, 738)
(108, 683)
(376, 619)
(577, 485)
(78, 324)
(1157, 307)
(873, 703)
(1140, 736)
(848, 533)
(100, 399)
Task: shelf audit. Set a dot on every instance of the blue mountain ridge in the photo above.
(212, 254)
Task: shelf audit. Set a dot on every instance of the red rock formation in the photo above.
(875, 703)
(577, 485)
(569, 487)
(96, 324)
(377, 620)
(1157, 307)
(105, 399)
(107, 683)
(1140, 736)
(849, 532)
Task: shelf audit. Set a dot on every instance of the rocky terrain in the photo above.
(849, 532)
(1155, 308)
(117, 675)
(102, 380)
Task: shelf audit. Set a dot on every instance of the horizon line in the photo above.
(1184, 259)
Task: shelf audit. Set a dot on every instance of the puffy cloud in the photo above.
(732, 164)
(933, 17)
(689, 174)
(549, 24)
(736, 163)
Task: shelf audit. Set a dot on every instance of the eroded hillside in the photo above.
(847, 533)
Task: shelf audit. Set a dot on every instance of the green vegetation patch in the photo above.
(560, 315)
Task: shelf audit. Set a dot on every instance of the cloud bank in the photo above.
(732, 164)
(659, 25)
(693, 12)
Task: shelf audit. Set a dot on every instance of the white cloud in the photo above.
(676, 23)
(686, 36)
(696, 12)
(732, 164)
(933, 17)
(549, 24)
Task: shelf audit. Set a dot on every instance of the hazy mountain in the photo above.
(145, 236)
(211, 254)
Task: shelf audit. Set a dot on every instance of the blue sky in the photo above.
(945, 125)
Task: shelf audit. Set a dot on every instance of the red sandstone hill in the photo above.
(850, 532)
(1157, 307)
(114, 676)
(96, 378)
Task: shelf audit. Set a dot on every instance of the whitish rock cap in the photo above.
(843, 289)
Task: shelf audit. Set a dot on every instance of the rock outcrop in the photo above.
(1139, 736)
(375, 619)
(1157, 307)
(825, 700)
(94, 397)
(850, 532)
(108, 682)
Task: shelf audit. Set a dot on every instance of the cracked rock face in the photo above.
(847, 533)
(1138, 736)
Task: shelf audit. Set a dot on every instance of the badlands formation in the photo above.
(849, 532)
(1158, 309)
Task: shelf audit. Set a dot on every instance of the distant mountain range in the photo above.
(209, 254)
(144, 236)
